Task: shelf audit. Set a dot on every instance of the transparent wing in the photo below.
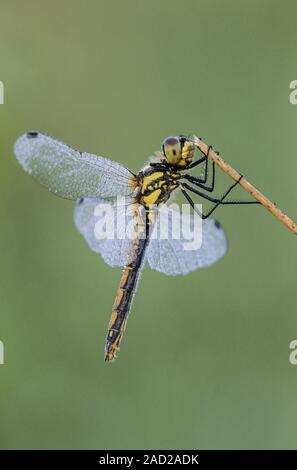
(68, 172)
(108, 227)
(177, 253)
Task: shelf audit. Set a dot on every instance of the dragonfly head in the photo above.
(178, 150)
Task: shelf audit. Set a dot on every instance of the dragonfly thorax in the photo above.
(156, 186)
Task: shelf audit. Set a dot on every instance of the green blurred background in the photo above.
(205, 360)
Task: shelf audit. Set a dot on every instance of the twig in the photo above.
(246, 185)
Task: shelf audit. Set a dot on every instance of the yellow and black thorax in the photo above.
(155, 186)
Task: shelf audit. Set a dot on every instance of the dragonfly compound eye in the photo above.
(172, 150)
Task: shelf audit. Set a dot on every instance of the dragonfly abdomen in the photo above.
(124, 297)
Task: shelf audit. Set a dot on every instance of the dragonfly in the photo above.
(91, 180)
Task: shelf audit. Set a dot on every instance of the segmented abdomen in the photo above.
(124, 298)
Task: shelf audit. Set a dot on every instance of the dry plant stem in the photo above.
(246, 185)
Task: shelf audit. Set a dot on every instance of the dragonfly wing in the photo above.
(108, 228)
(174, 256)
(69, 173)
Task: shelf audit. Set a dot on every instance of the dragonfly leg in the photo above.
(201, 160)
(159, 165)
(201, 181)
(217, 202)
